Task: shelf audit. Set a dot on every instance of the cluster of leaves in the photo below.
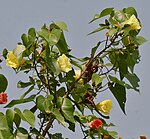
(59, 96)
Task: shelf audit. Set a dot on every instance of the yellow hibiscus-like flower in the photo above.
(12, 60)
(77, 75)
(64, 63)
(105, 106)
(133, 22)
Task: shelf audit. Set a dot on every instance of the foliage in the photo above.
(61, 87)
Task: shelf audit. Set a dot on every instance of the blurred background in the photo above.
(18, 16)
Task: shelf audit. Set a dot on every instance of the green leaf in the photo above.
(123, 67)
(18, 51)
(105, 12)
(56, 67)
(47, 105)
(49, 60)
(134, 80)
(96, 79)
(3, 83)
(44, 104)
(62, 44)
(29, 39)
(120, 16)
(52, 37)
(6, 134)
(27, 92)
(132, 59)
(131, 11)
(44, 33)
(27, 116)
(112, 20)
(55, 35)
(94, 49)
(25, 40)
(21, 84)
(10, 117)
(114, 57)
(56, 136)
(114, 134)
(17, 120)
(31, 35)
(18, 111)
(40, 102)
(125, 41)
(96, 16)
(115, 80)
(10, 114)
(35, 131)
(20, 101)
(99, 29)
(30, 117)
(119, 93)
(59, 117)
(62, 25)
(3, 122)
(112, 31)
(139, 40)
(68, 110)
(71, 126)
(75, 63)
(61, 92)
(69, 77)
(5, 51)
(21, 133)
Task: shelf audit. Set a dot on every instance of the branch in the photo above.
(92, 60)
(48, 126)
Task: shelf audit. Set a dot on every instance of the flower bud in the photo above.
(95, 124)
(3, 98)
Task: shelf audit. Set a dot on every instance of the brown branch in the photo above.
(48, 126)
(92, 60)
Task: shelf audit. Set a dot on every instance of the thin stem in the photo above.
(35, 67)
(106, 41)
(42, 124)
(48, 126)
(47, 77)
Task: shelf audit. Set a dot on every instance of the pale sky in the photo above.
(17, 16)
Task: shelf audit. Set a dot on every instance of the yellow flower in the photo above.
(133, 22)
(105, 106)
(12, 60)
(64, 63)
(77, 75)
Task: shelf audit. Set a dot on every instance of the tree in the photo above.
(61, 87)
